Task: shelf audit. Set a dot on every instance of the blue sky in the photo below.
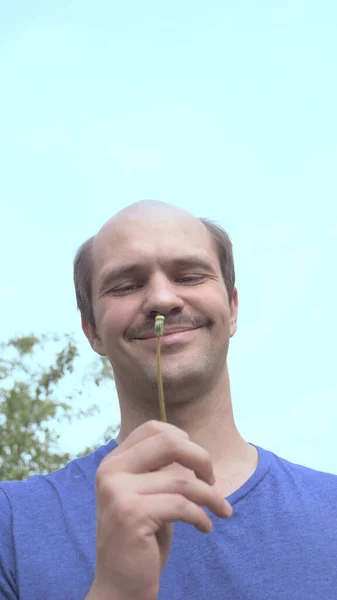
(226, 109)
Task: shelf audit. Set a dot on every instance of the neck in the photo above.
(207, 418)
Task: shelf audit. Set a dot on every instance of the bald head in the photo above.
(145, 210)
(150, 206)
(146, 217)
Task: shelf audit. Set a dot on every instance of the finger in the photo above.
(163, 449)
(195, 490)
(145, 431)
(168, 508)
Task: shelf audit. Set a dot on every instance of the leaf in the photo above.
(24, 345)
(32, 402)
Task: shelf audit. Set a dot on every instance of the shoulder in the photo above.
(58, 506)
(302, 471)
(5, 514)
(76, 477)
(300, 478)
(7, 554)
(40, 508)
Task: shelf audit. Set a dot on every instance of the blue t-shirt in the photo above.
(281, 543)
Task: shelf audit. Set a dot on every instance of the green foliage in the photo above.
(32, 373)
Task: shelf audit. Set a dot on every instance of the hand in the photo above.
(155, 477)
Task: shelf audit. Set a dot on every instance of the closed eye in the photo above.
(129, 288)
(190, 279)
(125, 289)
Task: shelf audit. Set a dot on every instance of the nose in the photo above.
(162, 297)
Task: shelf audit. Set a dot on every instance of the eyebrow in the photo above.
(124, 271)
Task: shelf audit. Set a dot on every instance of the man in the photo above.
(102, 528)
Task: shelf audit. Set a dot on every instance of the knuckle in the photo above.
(107, 467)
(107, 485)
(114, 500)
(154, 426)
(100, 475)
(168, 443)
(167, 438)
(124, 508)
(180, 503)
(181, 480)
(109, 482)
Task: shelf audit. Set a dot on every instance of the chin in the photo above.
(174, 378)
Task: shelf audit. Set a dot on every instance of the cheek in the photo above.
(213, 303)
(219, 312)
(114, 318)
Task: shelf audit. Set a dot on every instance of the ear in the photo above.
(91, 334)
(234, 306)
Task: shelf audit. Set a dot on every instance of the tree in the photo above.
(33, 371)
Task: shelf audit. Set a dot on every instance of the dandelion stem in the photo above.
(159, 328)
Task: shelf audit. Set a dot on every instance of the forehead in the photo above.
(149, 237)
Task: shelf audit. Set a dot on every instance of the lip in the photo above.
(171, 336)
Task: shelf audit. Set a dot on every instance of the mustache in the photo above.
(147, 328)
